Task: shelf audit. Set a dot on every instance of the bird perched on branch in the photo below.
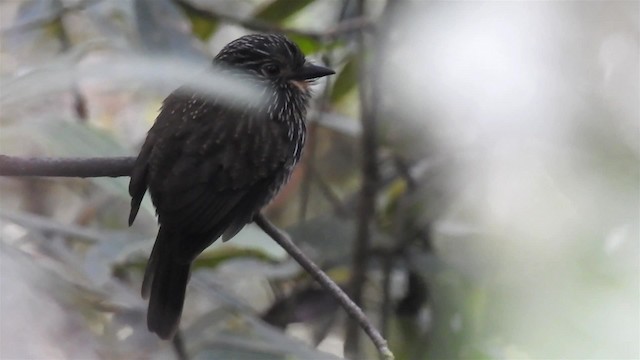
(210, 166)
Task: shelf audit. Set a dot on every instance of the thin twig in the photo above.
(122, 166)
(350, 307)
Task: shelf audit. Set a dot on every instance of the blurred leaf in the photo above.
(141, 343)
(41, 223)
(28, 32)
(101, 259)
(237, 352)
(426, 263)
(201, 25)
(340, 123)
(409, 339)
(280, 10)
(35, 10)
(160, 24)
(251, 237)
(62, 138)
(307, 44)
(328, 238)
(218, 255)
(346, 80)
(390, 201)
(325, 238)
(476, 307)
(54, 29)
(32, 288)
(308, 305)
(110, 247)
(226, 335)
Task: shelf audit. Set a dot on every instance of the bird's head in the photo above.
(272, 58)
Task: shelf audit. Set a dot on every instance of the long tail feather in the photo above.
(165, 283)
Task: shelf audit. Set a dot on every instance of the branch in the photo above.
(350, 307)
(66, 167)
(122, 166)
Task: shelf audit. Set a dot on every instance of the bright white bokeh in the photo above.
(540, 99)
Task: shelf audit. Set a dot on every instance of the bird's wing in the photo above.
(211, 165)
(139, 182)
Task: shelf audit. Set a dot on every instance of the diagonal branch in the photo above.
(350, 307)
(122, 166)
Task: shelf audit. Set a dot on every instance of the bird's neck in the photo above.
(288, 103)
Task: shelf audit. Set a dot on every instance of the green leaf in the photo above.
(280, 10)
(202, 26)
(346, 80)
(215, 257)
(307, 44)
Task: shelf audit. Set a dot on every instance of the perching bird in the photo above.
(210, 166)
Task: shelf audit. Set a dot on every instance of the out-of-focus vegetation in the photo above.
(507, 211)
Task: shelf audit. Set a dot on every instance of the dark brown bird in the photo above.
(210, 166)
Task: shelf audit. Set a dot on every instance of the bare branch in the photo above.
(66, 167)
(350, 307)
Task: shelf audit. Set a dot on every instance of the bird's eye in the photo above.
(271, 69)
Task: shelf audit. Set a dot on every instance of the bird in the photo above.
(211, 165)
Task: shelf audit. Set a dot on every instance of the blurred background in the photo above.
(471, 176)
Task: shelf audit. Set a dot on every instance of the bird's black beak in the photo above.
(310, 71)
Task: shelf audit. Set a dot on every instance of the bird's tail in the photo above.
(165, 284)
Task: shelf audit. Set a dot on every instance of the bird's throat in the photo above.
(303, 85)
